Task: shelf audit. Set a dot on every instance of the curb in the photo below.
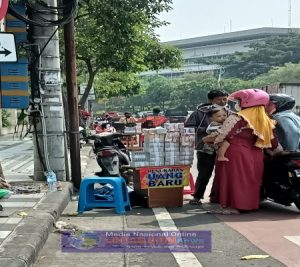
(23, 245)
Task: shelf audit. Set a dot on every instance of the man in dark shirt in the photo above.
(205, 162)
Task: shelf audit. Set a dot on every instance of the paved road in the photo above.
(272, 230)
(16, 158)
(232, 236)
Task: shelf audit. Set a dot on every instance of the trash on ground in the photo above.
(4, 193)
(4, 184)
(71, 214)
(74, 198)
(65, 226)
(23, 214)
(252, 257)
(59, 186)
(26, 189)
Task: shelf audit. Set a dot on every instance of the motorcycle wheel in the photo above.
(297, 204)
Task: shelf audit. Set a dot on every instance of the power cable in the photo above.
(46, 23)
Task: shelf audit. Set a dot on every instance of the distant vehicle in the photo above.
(176, 115)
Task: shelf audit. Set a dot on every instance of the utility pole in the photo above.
(72, 95)
(290, 14)
(50, 119)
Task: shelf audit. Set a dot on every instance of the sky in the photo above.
(194, 18)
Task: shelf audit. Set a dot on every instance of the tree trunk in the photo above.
(89, 84)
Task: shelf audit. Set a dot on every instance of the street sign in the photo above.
(3, 8)
(8, 51)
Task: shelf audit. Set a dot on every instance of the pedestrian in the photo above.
(237, 182)
(200, 121)
(280, 107)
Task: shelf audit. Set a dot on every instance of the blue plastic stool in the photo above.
(87, 200)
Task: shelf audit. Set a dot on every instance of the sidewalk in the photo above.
(27, 219)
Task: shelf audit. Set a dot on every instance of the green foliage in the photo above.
(5, 119)
(111, 83)
(289, 73)
(118, 35)
(262, 57)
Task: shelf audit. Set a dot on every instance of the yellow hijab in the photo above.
(261, 125)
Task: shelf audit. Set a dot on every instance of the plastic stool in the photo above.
(192, 186)
(87, 200)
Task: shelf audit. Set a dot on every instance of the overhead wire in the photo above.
(68, 11)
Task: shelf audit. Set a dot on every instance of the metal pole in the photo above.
(72, 96)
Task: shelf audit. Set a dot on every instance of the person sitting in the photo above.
(127, 119)
(154, 120)
(288, 123)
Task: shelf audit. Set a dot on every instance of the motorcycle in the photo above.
(83, 136)
(281, 183)
(112, 156)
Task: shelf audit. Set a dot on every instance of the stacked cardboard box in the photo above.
(171, 145)
(139, 159)
(154, 145)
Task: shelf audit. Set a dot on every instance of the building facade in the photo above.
(217, 46)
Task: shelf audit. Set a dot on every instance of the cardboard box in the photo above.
(165, 197)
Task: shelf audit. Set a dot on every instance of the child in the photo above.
(217, 117)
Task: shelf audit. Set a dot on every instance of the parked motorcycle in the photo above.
(111, 156)
(84, 136)
(281, 183)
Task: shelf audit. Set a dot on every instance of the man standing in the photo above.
(205, 162)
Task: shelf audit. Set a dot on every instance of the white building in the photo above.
(217, 46)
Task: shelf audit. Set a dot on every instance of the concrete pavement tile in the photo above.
(12, 262)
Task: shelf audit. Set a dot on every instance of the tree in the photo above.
(289, 73)
(119, 35)
(193, 88)
(262, 57)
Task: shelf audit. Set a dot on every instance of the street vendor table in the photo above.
(162, 185)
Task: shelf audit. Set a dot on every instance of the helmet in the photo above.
(251, 97)
(282, 102)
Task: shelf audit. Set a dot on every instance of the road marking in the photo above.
(37, 195)
(166, 223)
(294, 239)
(29, 169)
(17, 204)
(4, 234)
(22, 163)
(11, 160)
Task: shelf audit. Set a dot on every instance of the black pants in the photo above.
(205, 166)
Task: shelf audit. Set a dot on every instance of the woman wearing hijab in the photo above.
(237, 182)
(280, 108)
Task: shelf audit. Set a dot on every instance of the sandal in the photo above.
(195, 202)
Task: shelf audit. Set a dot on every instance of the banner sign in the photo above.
(136, 241)
(164, 177)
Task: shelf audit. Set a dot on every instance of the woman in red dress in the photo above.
(237, 182)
